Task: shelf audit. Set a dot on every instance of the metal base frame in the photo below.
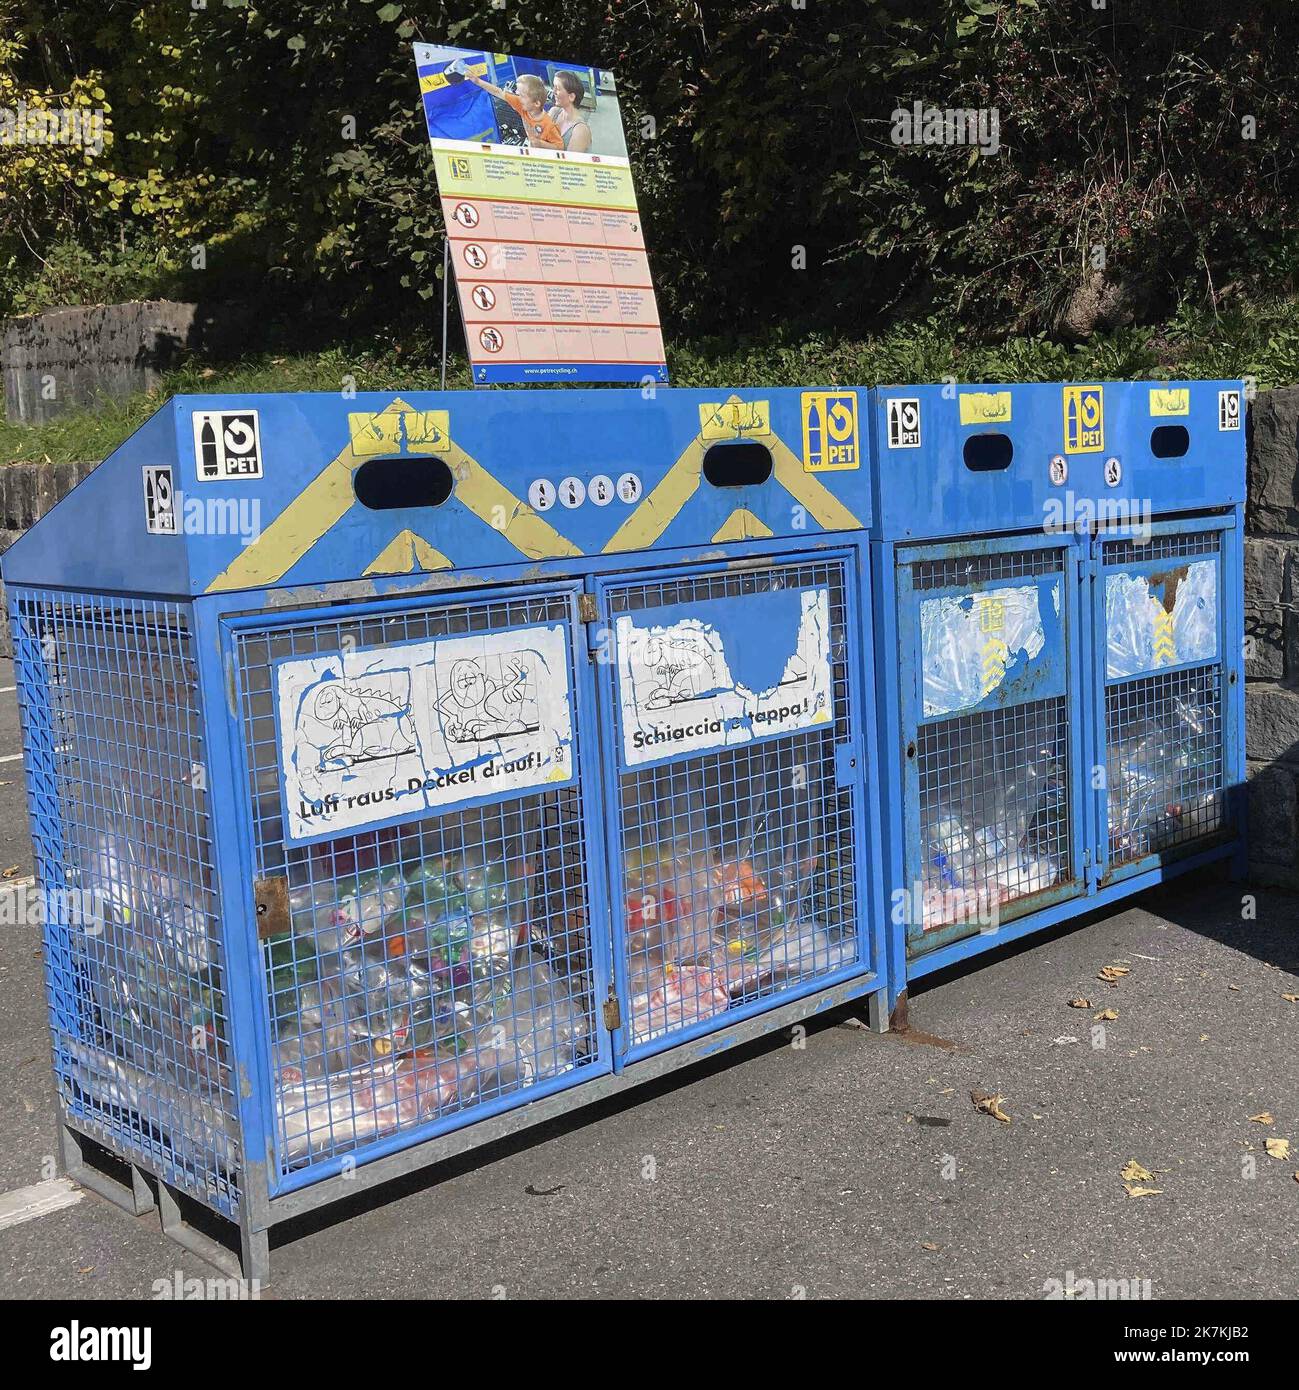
(252, 1264)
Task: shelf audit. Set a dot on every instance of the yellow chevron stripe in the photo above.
(407, 553)
(323, 502)
(329, 496)
(809, 490)
(1165, 643)
(996, 655)
(495, 504)
(679, 484)
(742, 525)
(657, 510)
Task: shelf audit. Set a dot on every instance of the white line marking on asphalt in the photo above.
(12, 758)
(17, 885)
(6, 689)
(27, 1203)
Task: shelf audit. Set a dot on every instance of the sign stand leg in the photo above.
(446, 290)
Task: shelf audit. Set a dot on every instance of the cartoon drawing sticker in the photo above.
(367, 736)
(479, 707)
(351, 733)
(683, 664)
(366, 724)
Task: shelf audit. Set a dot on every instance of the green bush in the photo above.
(286, 139)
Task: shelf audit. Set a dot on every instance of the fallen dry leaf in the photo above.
(1142, 1191)
(1277, 1148)
(1291, 998)
(1234, 988)
(928, 1245)
(1264, 1117)
(1106, 1015)
(1080, 1003)
(990, 1105)
(1111, 973)
(1132, 1171)
(11, 872)
(1204, 1037)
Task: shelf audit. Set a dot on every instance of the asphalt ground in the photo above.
(855, 1165)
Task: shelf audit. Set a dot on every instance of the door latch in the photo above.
(271, 903)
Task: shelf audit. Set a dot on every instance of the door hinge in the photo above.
(612, 1011)
(588, 610)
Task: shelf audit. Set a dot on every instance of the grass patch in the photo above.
(1256, 341)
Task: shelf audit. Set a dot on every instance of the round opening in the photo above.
(1170, 441)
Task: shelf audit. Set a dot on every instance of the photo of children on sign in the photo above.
(505, 99)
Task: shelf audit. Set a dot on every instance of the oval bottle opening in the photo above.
(389, 484)
(745, 463)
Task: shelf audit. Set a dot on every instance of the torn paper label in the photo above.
(970, 643)
(1164, 618)
(723, 672)
(373, 735)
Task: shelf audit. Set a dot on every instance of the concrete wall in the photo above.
(27, 492)
(73, 357)
(1272, 636)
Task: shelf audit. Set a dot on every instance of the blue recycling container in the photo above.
(1059, 639)
(406, 771)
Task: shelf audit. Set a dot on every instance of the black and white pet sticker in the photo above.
(904, 423)
(227, 445)
(159, 500)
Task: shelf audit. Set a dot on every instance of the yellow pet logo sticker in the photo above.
(1084, 420)
(830, 431)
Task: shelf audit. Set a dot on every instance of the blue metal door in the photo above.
(420, 812)
(1165, 688)
(991, 733)
(733, 751)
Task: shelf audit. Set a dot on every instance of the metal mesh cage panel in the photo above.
(1164, 762)
(964, 571)
(1171, 547)
(429, 967)
(994, 810)
(134, 970)
(738, 865)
